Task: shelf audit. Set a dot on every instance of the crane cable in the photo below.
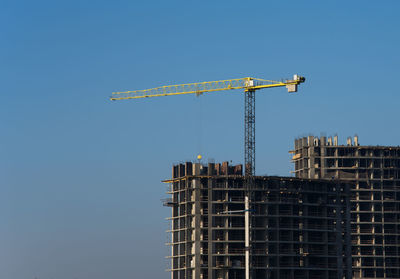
(199, 134)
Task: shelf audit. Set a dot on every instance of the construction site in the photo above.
(339, 217)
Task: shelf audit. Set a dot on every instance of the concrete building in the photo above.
(374, 174)
(299, 227)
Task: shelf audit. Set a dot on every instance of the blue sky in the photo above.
(80, 176)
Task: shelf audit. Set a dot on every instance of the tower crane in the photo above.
(250, 86)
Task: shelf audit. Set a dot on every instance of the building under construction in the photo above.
(374, 175)
(300, 228)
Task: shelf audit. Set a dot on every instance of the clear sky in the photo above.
(80, 175)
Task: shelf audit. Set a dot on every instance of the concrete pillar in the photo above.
(323, 160)
(311, 157)
(210, 246)
(197, 231)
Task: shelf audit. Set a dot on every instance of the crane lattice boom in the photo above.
(247, 84)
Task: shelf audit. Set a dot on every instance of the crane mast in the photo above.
(249, 167)
(250, 85)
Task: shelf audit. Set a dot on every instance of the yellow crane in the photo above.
(250, 85)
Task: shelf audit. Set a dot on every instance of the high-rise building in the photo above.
(299, 227)
(374, 175)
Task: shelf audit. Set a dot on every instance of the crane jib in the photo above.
(210, 86)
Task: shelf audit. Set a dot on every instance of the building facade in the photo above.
(374, 175)
(300, 228)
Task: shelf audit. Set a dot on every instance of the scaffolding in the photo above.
(300, 227)
(374, 175)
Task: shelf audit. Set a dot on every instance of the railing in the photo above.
(315, 226)
(236, 224)
(239, 238)
(259, 264)
(259, 251)
(236, 251)
(222, 264)
(288, 264)
(287, 251)
(316, 251)
(366, 241)
(236, 199)
(370, 252)
(321, 265)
